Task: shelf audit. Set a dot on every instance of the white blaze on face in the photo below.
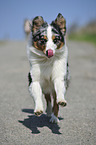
(50, 44)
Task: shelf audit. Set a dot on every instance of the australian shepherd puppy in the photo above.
(48, 58)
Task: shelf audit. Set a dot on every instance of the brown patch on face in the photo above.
(38, 46)
(35, 44)
(53, 37)
(57, 41)
(45, 37)
(60, 45)
(44, 50)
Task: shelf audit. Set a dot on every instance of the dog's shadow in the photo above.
(33, 122)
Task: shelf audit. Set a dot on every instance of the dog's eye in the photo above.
(42, 41)
(57, 39)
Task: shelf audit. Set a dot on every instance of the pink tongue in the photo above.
(50, 53)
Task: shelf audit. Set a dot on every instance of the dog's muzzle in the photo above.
(49, 53)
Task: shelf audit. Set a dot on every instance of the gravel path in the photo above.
(19, 126)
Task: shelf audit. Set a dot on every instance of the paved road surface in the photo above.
(19, 126)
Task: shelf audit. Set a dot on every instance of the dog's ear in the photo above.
(61, 22)
(27, 25)
(37, 23)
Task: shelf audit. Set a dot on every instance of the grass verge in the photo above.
(83, 37)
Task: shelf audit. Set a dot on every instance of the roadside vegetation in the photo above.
(2, 42)
(86, 33)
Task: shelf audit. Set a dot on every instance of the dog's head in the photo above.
(48, 38)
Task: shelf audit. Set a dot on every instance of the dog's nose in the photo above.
(49, 53)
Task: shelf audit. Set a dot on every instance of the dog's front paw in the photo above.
(38, 108)
(54, 119)
(38, 113)
(62, 102)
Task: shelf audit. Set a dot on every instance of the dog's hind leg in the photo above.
(49, 106)
(54, 116)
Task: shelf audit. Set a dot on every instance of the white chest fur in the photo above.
(45, 70)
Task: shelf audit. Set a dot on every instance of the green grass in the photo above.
(83, 37)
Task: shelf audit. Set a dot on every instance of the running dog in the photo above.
(49, 71)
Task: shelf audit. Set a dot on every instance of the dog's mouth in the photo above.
(49, 53)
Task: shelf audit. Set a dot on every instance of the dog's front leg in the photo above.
(60, 91)
(37, 95)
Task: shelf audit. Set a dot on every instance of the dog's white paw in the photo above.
(38, 113)
(54, 119)
(62, 102)
(38, 110)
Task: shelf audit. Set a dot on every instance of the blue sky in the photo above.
(13, 13)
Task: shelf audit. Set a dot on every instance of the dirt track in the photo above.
(19, 126)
